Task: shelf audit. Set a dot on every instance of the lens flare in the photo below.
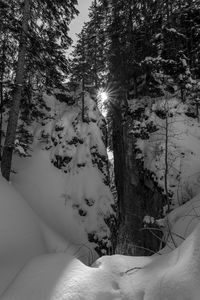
(103, 96)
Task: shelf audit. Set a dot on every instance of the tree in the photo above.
(43, 39)
(8, 48)
(14, 111)
(90, 58)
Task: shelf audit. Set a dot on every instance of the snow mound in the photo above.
(60, 277)
(43, 187)
(65, 179)
(21, 237)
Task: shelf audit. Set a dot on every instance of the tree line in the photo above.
(136, 49)
(123, 48)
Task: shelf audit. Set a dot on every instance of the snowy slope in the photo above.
(65, 179)
(60, 277)
(24, 235)
(21, 236)
(179, 223)
(183, 138)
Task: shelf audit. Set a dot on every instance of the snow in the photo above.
(27, 273)
(44, 230)
(61, 277)
(63, 180)
(179, 223)
(183, 148)
(20, 234)
(148, 220)
(82, 194)
(43, 186)
(28, 231)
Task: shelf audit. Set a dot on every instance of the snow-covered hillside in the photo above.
(65, 179)
(46, 238)
(165, 123)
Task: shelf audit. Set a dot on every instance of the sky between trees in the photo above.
(77, 24)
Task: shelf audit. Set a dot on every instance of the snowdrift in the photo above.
(24, 235)
(179, 223)
(20, 234)
(61, 277)
(28, 270)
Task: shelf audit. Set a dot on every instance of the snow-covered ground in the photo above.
(63, 185)
(60, 276)
(20, 234)
(53, 205)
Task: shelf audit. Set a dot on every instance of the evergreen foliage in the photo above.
(33, 44)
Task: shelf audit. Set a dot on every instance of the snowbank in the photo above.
(21, 237)
(179, 223)
(43, 186)
(61, 277)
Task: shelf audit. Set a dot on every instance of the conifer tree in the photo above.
(14, 111)
(42, 30)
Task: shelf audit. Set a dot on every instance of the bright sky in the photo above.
(77, 23)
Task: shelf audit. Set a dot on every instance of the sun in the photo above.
(103, 96)
(102, 100)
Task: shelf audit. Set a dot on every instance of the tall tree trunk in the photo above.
(1, 90)
(166, 153)
(118, 152)
(130, 239)
(14, 110)
(95, 54)
(83, 99)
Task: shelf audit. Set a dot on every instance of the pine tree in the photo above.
(43, 40)
(90, 58)
(14, 111)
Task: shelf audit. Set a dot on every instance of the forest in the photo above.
(100, 150)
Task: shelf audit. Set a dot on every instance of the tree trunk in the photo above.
(83, 99)
(166, 154)
(130, 239)
(138, 196)
(1, 90)
(95, 51)
(14, 110)
(118, 152)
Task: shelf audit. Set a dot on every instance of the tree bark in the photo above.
(95, 51)
(166, 153)
(14, 110)
(1, 90)
(137, 194)
(127, 176)
(83, 99)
